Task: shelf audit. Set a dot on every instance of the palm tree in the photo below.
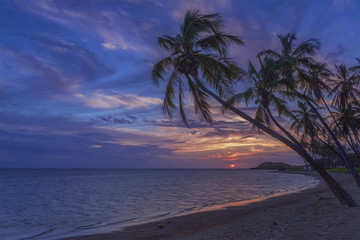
(305, 120)
(265, 88)
(311, 81)
(292, 56)
(356, 71)
(346, 96)
(345, 119)
(198, 59)
(292, 59)
(200, 46)
(346, 93)
(268, 91)
(344, 87)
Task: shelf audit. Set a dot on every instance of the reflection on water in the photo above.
(46, 204)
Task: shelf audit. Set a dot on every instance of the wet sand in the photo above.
(309, 214)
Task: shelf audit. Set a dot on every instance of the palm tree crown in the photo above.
(345, 118)
(266, 89)
(197, 57)
(312, 80)
(293, 56)
(305, 119)
(344, 87)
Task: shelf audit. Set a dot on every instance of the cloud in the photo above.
(44, 141)
(112, 100)
(53, 71)
(336, 55)
(92, 62)
(109, 45)
(180, 7)
(114, 120)
(118, 26)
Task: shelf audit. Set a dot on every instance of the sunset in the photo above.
(83, 78)
(145, 114)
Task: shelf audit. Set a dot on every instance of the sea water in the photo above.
(55, 203)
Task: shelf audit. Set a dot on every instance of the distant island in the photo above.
(277, 166)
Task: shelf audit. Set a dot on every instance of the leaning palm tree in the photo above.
(200, 46)
(311, 82)
(269, 91)
(293, 59)
(198, 60)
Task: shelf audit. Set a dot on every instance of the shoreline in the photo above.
(297, 215)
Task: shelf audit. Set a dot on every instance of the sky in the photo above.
(76, 88)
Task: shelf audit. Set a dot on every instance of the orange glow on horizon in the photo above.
(232, 165)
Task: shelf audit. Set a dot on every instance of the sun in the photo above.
(232, 165)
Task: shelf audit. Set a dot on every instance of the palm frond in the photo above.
(218, 42)
(169, 43)
(181, 105)
(308, 47)
(270, 53)
(168, 105)
(198, 55)
(200, 99)
(160, 69)
(221, 74)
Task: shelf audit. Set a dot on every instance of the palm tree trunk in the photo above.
(291, 137)
(348, 162)
(338, 191)
(287, 133)
(352, 145)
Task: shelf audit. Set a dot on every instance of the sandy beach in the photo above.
(309, 214)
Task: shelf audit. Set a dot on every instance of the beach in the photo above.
(308, 214)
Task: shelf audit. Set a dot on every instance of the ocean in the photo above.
(54, 203)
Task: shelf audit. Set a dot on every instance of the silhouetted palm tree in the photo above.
(311, 81)
(199, 47)
(267, 90)
(344, 87)
(346, 95)
(292, 56)
(293, 59)
(305, 120)
(198, 59)
(345, 119)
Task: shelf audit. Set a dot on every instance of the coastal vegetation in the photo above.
(340, 170)
(278, 166)
(289, 84)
